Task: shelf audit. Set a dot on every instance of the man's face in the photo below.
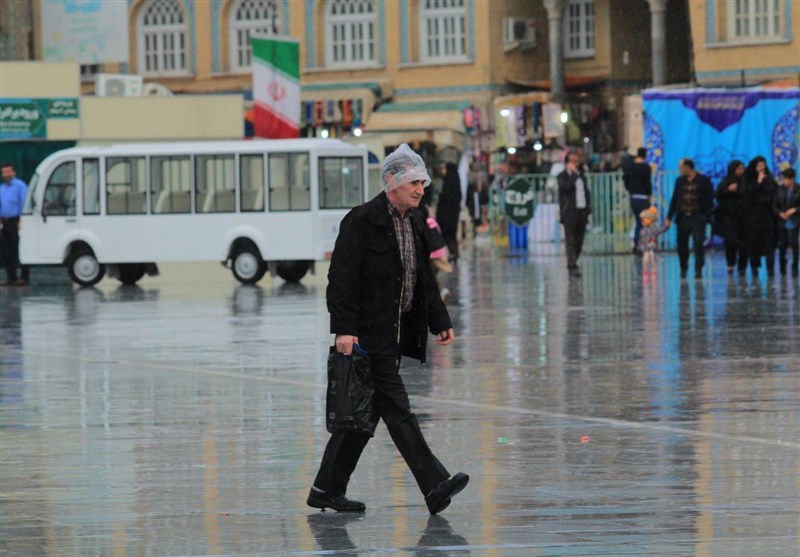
(572, 162)
(408, 196)
(8, 174)
(787, 182)
(684, 169)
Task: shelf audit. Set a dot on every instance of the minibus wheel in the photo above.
(131, 273)
(292, 271)
(83, 267)
(247, 266)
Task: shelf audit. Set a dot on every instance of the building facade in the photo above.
(746, 43)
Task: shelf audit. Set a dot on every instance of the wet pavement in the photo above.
(598, 416)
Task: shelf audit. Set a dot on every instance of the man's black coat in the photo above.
(365, 282)
(705, 197)
(567, 199)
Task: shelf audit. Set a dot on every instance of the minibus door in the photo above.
(58, 211)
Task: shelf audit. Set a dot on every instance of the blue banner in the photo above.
(715, 126)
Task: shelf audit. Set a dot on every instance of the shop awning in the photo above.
(425, 116)
(571, 83)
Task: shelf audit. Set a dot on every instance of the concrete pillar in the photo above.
(658, 34)
(555, 17)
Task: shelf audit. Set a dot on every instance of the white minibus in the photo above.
(256, 206)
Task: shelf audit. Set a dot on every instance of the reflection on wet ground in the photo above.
(599, 416)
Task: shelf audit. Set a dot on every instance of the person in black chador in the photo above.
(382, 296)
(761, 220)
(731, 219)
(690, 208)
(636, 175)
(449, 208)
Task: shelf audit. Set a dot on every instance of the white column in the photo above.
(555, 15)
(658, 33)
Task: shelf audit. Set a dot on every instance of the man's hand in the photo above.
(667, 223)
(446, 338)
(784, 215)
(732, 187)
(344, 344)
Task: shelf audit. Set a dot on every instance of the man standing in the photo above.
(690, 208)
(636, 176)
(12, 202)
(573, 202)
(381, 295)
(787, 207)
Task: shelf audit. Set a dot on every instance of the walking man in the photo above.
(787, 207)
(690, 208)
(636, 176)
(381, 295)
(12, 202)
(573, 202)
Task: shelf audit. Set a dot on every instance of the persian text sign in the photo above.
(519, 201)
(23, 118)
(62, 108)
(85, 31)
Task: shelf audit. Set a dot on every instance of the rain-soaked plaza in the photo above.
(596, 416)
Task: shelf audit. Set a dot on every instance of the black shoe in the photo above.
(439, 499)
(338, 503)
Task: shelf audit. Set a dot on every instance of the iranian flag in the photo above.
(276, 87)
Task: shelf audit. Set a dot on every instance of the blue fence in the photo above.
(611, 224)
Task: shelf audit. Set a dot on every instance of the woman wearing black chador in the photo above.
(731, 221)
(761, 225)
(449, 208)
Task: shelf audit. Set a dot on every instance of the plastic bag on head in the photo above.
(403, 165)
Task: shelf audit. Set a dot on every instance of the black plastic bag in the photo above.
(350, 390)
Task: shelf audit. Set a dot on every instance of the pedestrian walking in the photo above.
(648, 240)
(762, 222)
(731, 216)
(636, 175)
(12, 203)
(787, 207)
(690, 208)
(448, 209)
(574, 208)
(382, 297)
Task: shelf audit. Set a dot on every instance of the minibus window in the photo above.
(91, 187)
(214, 184)
(126, 186)
(30, 201)
(289, 188)
(340, 182)
(170, 185)
(251, 183)
(59, 195)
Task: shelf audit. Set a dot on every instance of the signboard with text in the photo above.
(23, 118)
(519, 201)
(84, 31)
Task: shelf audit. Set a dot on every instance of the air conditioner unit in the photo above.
(117, 85)
(156, 90)
(518, 32)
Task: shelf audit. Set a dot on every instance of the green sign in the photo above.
(519, 201)
(62, 108)
(23, 118)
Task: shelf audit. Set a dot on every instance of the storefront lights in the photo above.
(537, 146)
(324, 134)
(505, 112)
(511, 150)
(357, 132)
(564, 117)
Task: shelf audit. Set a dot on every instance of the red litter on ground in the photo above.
(585, 439)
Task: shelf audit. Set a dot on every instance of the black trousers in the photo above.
(9, 249)
(574, 233)
(392, 406)
(692, 225)
(638, 204)
(788, 240)
(736, 255)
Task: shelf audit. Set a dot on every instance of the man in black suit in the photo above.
(382, 296)
(690, 208)
(573, 202)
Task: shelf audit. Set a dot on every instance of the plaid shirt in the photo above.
(408, 254)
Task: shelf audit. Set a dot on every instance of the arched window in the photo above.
(245, 19)
(349, 33)
(442, 33)
(162, 38)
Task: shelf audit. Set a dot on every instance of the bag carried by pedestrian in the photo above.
(350, 391)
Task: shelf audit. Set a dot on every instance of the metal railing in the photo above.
(611, 224)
